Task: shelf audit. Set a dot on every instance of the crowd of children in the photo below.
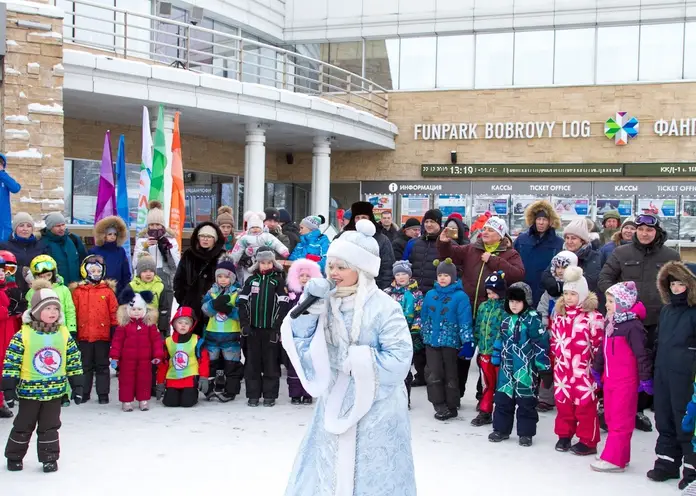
(56, 341)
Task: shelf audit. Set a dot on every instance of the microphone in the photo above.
(304, 305)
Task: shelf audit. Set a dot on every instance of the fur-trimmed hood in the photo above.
(123, 318)
(115, 221)
(681, 272)
(108, 282)
(539, 205)
(590, 304)
(296, 268)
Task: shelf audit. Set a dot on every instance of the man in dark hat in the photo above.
(272, 223)
(289, 228)
(363, 210)
(409, 231)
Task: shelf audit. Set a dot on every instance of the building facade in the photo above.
(461, 104)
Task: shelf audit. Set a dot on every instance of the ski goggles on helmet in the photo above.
(10, 268)
(43, 266)
(647, 220)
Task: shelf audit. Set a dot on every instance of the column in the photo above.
(168, 114)
(321, 176)
(255, 167)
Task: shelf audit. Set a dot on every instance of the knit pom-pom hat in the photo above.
(155, 213)
(573, 280)
(358, 248)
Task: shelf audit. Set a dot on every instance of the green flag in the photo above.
(159, 160)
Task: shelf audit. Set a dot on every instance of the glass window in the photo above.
(690, 54)
(225, 47)
(418, 58)
(170, 39)
(617, 54)
(661, 51)
(382, 62)
(494, 60)
(304, 80)
(455, 61)
(533, 58)
(201, 47)
(347, 56)
(574, 56)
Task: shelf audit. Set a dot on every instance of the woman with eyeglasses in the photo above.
(640, 262)
(24, 245)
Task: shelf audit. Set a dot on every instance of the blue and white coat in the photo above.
(354, 356)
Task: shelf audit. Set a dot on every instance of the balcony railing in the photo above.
(137, 36)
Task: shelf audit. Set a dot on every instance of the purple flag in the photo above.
(106, 194)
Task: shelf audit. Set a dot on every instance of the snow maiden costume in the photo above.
(353, 352)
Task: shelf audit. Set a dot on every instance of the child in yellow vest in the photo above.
(182, 373)
(40, 361)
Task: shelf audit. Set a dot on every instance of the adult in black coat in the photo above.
(675, 365)
(195, 274)
(422, 251)
(289, 228)
(363, 210)
(24, 244)
(388, 227)
(410, 230)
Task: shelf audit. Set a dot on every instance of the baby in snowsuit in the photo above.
(136, 346)
(576, 334)
(244, 251)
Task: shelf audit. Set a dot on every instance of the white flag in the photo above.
(145, 173)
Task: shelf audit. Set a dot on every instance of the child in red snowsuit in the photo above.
(137, 344)
(576, 334)
(186, 365)
(12, 305)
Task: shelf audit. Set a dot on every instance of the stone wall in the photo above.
(32, 107)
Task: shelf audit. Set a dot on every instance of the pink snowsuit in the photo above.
(576, 336)
(623, 363)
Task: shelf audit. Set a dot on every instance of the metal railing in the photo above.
(158, 40)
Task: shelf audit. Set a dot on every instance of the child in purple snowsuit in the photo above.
(301, 271)
(624, 368)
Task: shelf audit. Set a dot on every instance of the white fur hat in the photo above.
(358, 248)
(573, 280)
(254, 219)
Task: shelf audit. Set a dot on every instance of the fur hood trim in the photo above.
(681, 272)
(296, 268)
(590, 304)
(123, 318)
(545, 205)
(111, 283)
(100, 228)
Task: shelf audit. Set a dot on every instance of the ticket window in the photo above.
(519, 203)
(382, 202)
(570, 208)
(413, 205)
(625, 205)
(498, 205)
(665, 207)
(453, 203)
(687, 219)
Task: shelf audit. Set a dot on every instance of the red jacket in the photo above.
(95, 310)
(137, 340)
(467, 258)
(9, 324)
(186, 382)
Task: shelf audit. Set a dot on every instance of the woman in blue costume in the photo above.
(352, 350)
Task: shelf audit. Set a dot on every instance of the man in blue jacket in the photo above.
(7, 186)
(539, 244)
(65, 247)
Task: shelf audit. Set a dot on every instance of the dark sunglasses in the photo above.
(646, 220)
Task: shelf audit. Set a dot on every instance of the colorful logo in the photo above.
(181, 360)
(621, 129)
(47, 361)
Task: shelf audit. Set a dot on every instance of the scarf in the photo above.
(40, 326)
(679, 300)
(344, 291)
(29, 240)
(618, 318)
(491, 248)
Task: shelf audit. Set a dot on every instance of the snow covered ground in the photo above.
(235, 448)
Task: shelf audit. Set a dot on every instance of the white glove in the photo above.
(319, 287)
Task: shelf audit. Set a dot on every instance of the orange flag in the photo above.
(177, 212)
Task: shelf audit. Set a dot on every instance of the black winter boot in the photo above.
(103, 399)
(660, 475)
(563, 444)
(581, 449)
(5, 412)
(496, 437)
(482, 418)
(49, 467)
(15, 465)
(268, 402)
(526, 441)
(253, 402)
(446, 414)
(296, 401)
(307, 400)
(643, 422)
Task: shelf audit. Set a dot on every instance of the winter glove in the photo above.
(114, 364)
(164, 245)
(10, 397)
(597, 377)
(159, 391)
(204, 385)
(467, 351)
(688, 422)
(220, 304)
(546, 378)
(318, 286)
(77, 395)
(646, 387)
